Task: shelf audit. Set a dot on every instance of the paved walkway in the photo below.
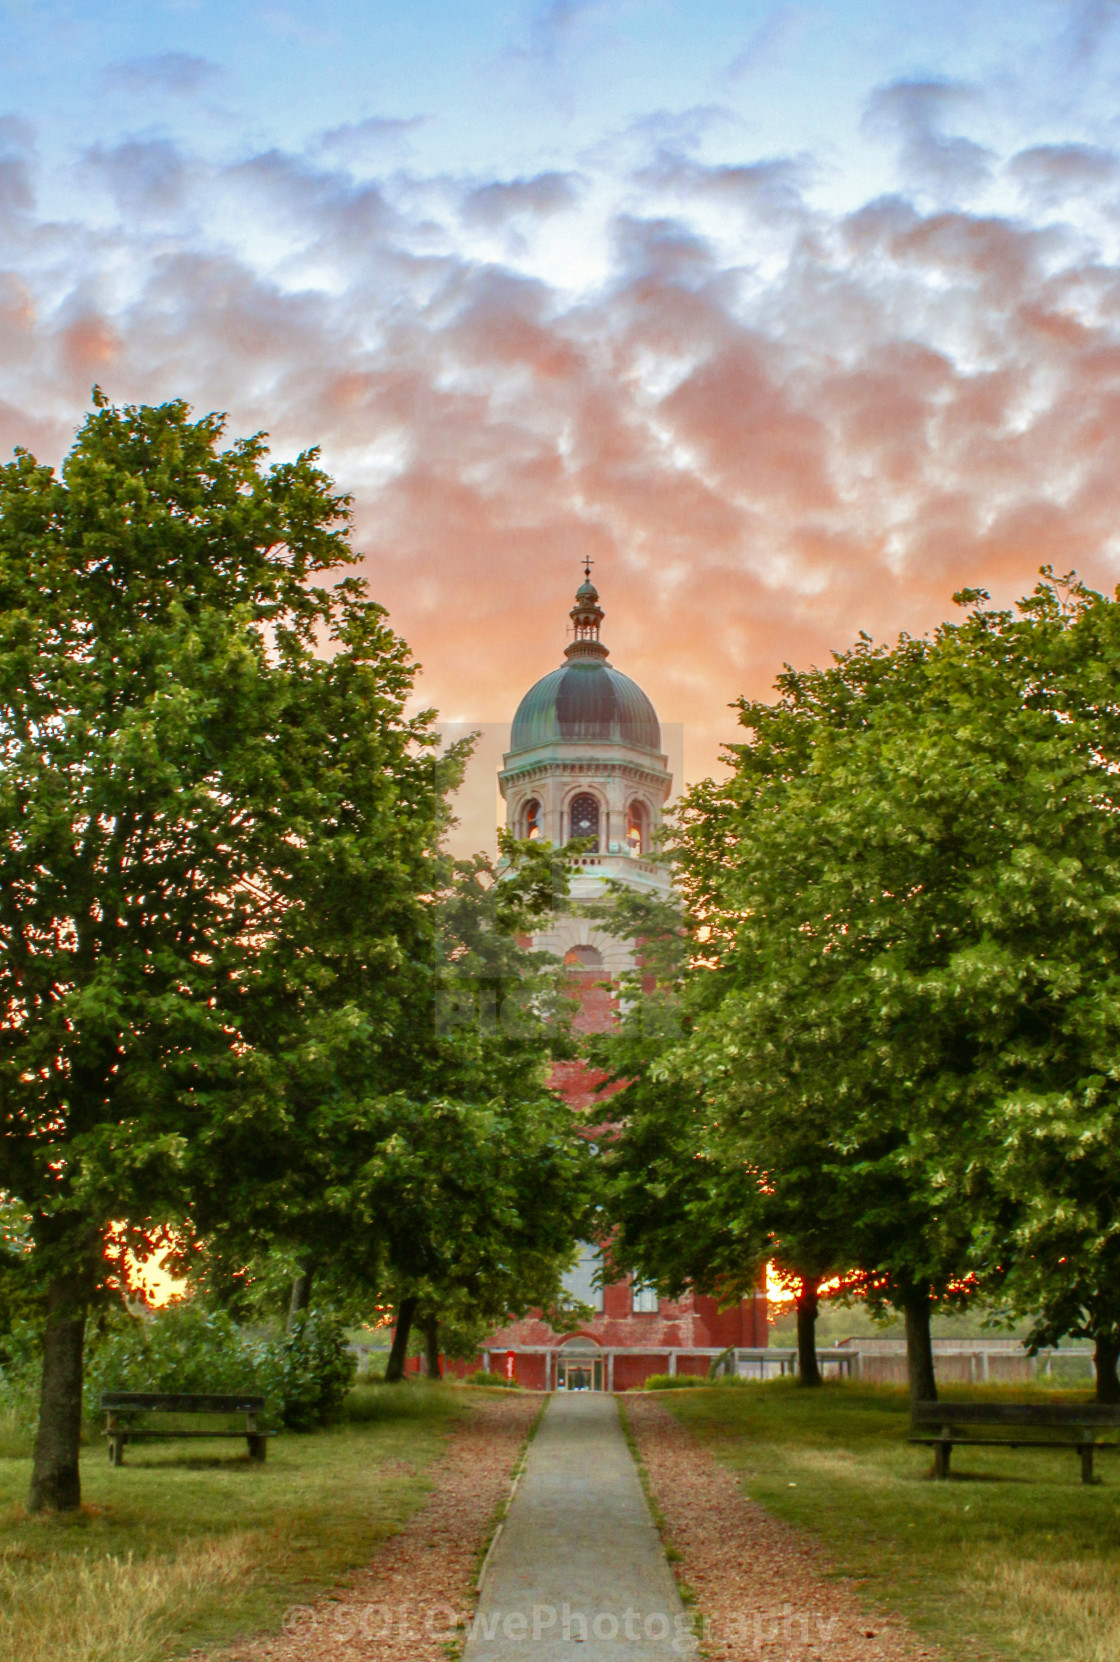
(578, 1573)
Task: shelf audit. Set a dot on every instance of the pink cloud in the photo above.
(761, 458)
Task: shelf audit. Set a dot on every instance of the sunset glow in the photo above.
(792, 335)
(781, 1291)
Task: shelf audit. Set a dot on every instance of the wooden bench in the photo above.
(121, 1407)
(1023, 1424)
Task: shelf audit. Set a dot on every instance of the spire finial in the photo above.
(586, 616)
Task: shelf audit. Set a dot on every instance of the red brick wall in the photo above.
(690, 1322)
(631, 1372)
(450, 1367)
(696, 1366)
(682, 1325)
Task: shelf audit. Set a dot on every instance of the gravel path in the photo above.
(764, 1588)
(405, 1606)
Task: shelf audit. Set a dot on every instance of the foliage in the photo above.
(672, 1382)
(309, 1369)
(900, 1025)
(681, 1217)
(185, 1347)
(433, 1163)
(215, 842)
(303, 1373)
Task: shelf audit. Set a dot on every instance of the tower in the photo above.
(585, 761)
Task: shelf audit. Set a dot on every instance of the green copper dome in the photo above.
(586, 700)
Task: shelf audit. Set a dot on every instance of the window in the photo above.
(645, 1300)
(578, 1282)
(583, 957)
(584, 817)
(636, 839)
(533, 819)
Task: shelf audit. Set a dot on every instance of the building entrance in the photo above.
(579, 1366)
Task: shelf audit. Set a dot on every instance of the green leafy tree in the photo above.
(206, 778)
(428, 1163)
(910, 887)
(690, 1206)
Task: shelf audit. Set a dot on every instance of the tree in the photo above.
(191, 796)
(693, 1206)
(492, 1224)
(910, 885)
(426, 1163)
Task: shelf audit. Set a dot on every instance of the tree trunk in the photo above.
(1107, 1355)
(394, 1368)
(919, 1347)
(56, 1484)
(808, 1299)
(431, 1347)
(301, 1293)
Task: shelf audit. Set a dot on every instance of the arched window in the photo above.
(637, 841)
(584, 817)
(583, 957)
(532, 819)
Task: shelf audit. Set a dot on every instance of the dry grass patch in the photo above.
(191, 1545)
(107, 1609)
(1068, 1610)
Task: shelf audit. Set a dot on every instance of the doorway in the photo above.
(579, 1366)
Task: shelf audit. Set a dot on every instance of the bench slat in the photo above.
(133, 1436)
(1041, 1414)
(180, 1402)
(1005, 1442)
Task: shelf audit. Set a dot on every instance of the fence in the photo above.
(882, 1361)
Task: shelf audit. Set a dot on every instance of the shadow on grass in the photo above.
(979, 1477)
(193, 1463)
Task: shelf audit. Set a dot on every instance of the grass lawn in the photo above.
(191, 1544)
(1011, 1558)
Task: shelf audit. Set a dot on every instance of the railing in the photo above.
(630, 860)
(770, 1361)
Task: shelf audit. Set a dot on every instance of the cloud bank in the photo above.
(769, 422)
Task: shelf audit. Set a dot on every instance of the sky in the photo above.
(795, 318)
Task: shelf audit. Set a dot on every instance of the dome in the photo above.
(586, 700)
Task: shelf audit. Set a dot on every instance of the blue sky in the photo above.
(495, 89)
(794, 317)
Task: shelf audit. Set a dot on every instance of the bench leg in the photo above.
(1086, 1452)
(258, 1446)
(941, 1453)
(116, 1451)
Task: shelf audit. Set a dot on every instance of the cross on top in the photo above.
(588, 562)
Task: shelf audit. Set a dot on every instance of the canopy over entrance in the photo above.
(579, 1365)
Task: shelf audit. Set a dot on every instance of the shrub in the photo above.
(481, 1377)
(672, 1382)
(303, 1374)
(309, 1370)
(183, 1348)
(20, 1368)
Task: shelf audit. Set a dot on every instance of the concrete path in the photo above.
(578, 1573)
